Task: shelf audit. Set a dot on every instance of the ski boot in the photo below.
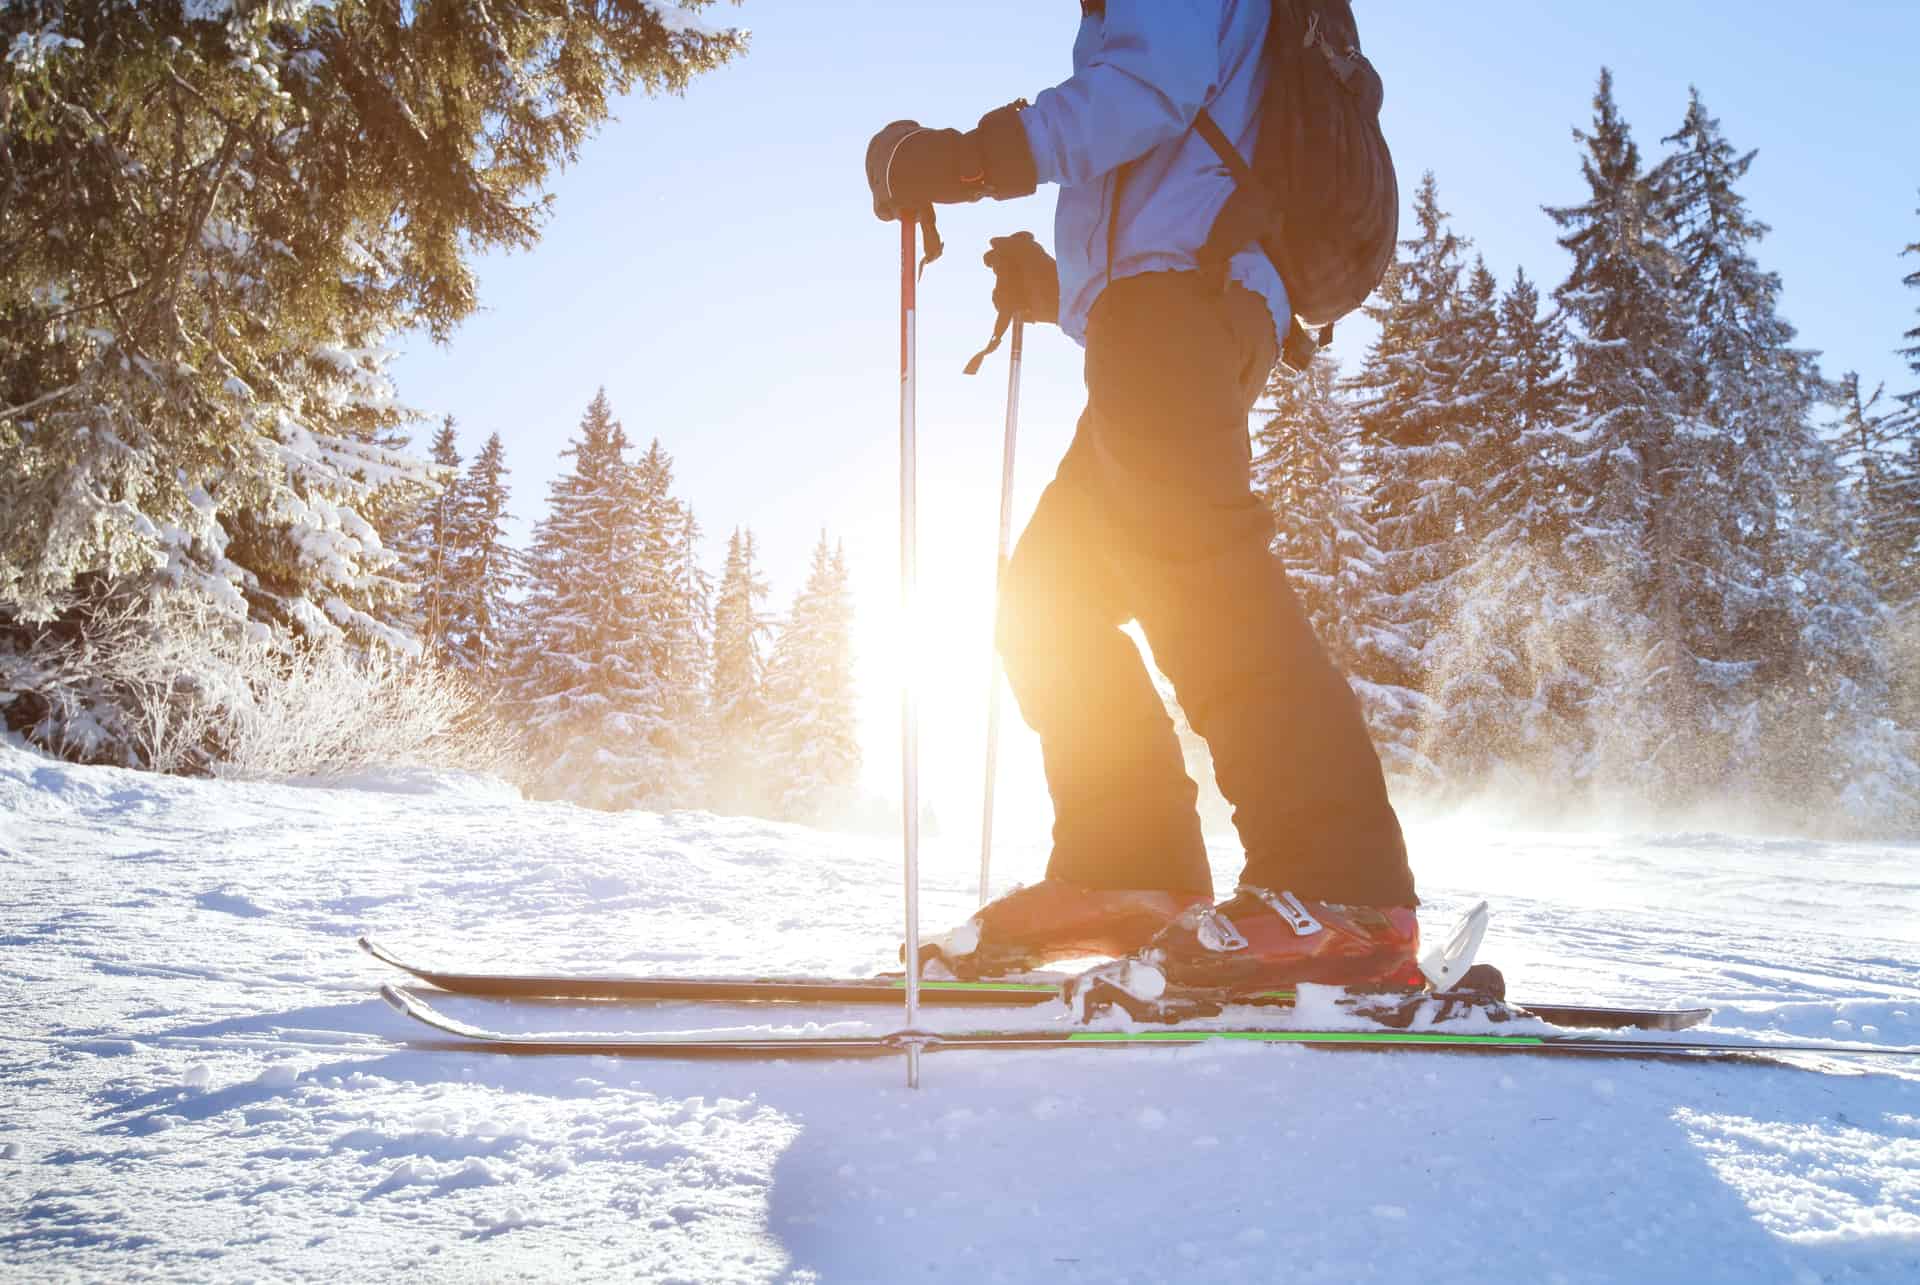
(1043, 923)
(1260, 945)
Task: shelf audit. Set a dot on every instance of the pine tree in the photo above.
(736, 689)
(1894, 516)
(1325, 536)
(671, 605)
(588, 677)
(1791, 616)
(812, 747)
(692, 633)
(1882, 452)
(1477, 408)
(1833, 742)
(429, 547)
(1521, 484)
(1506, 685)
(1469, 667)
(1413, 434)
(485, 571)
(1911, 399)
(1629, 479)
(1880, 456)
(1551, 616)
(1753, 390)
(689, 659)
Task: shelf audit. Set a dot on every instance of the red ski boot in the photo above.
(1261, 940)
(1052, 920)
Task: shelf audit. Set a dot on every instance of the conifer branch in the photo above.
(12, 411)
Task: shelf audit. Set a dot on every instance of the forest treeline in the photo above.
(1624, 541)
(628, 676)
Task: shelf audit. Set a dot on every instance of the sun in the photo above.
(947, 649)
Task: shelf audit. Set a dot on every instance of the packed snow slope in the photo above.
(198, 1082)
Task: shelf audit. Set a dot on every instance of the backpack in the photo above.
(1320, 196)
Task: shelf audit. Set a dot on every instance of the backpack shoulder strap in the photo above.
(1251, 213)
(1208, 128)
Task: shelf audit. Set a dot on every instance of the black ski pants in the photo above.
(1152, 517)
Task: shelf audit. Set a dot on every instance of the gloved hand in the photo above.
(1026, 284)
(910, 167)
(1025, 278)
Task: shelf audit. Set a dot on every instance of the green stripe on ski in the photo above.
(1034, 988)
(1299, 1037)
(1010, 988)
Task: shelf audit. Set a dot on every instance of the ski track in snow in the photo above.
(197, 1080)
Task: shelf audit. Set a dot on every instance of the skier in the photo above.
(1152, 517)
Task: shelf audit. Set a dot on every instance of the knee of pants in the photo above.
(1050, 626)
(1024, 628)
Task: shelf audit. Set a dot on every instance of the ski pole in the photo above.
(999, 579)
(909, 717)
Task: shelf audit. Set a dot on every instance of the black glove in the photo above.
(911, 168)
(1025, 279)
(1026, 285)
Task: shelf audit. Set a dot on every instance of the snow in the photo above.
(681, 20)
(31, 51)
(197, 1080)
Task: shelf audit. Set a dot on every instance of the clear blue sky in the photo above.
(713, 261)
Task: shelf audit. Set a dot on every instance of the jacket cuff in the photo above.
(1007, 156)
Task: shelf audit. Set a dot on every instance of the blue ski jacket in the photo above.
(1142, 70)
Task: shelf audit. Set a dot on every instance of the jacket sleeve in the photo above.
(1157, 65)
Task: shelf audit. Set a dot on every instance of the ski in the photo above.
(889, 989)
(885, 989)
(478, 1039)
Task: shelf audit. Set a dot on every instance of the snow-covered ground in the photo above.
(198, 1082)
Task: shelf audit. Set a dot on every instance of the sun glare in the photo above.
(947, 649)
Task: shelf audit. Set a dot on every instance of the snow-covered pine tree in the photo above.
(1634, 476)
(485, 570)
(1551, 618)
(1895, 517)
(1533, 349)
(812, 750)
(690, 660)
(1520, 479)
(692, 634)
(428, 549)
(1911, 399)
(1880, 450)
(672, 602)
(1795, 623)
(1412, 434)
(194, 398)
(1480, 414)
(1751, 392)
(1875, 446)
(586, 677)
(737, 688)
(1898, 538)
(1499, 685)
(1834, 740)
(1304, 465)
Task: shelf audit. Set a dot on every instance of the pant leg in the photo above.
(1124, 814)
(1173, 369)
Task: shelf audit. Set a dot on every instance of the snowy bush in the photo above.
(172, 685)
(328, 709)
